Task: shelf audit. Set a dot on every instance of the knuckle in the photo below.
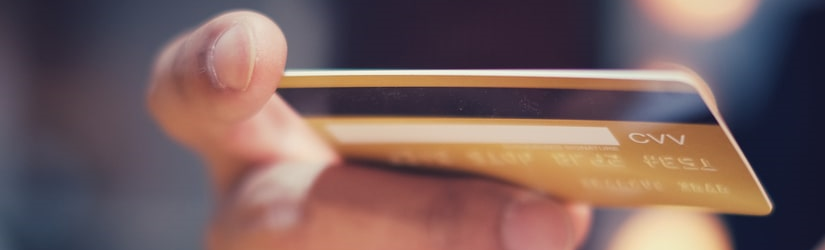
(250, 228)
(466, 213)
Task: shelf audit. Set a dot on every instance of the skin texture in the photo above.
(280, 187)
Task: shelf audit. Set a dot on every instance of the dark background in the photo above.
(83, 167)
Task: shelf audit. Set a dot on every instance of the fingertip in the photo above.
(215, 76)
(581, 215)
(245, 63)
(223, 71)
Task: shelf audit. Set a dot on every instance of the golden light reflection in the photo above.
(672, 230)
(699, 19)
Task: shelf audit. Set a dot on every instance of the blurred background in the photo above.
(82, 166)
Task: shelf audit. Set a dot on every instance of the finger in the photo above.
(212, 90)
(582, 215)
(222, 72)
(364, 208)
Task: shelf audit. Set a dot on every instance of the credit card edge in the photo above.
(682, 75)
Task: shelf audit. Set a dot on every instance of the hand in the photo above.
(280, 187)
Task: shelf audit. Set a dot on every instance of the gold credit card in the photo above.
(611, 138)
